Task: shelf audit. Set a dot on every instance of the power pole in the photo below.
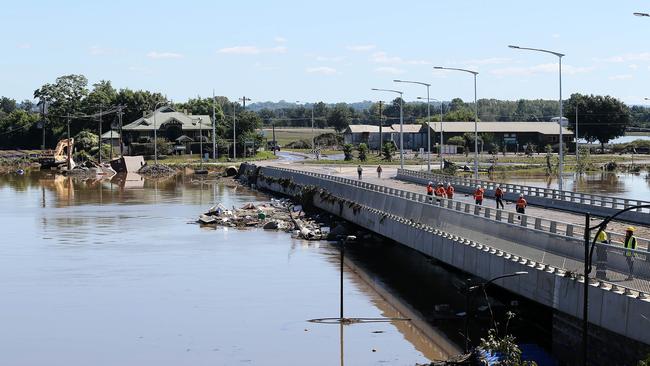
(119, 116)
(214, 128)
(234, 134)
(243, 100)
(100, 134)
(381, 122)
(44, 113)
(70, 146)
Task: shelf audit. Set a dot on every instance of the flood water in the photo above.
(624, 185)
(101, 273)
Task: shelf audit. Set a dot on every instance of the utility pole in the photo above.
(577, 136)
(100, 134)
(214, 128)
(243, 100)
(381, 122)
(234, 133)
(70, 146)
(44, 113)
(119, 116)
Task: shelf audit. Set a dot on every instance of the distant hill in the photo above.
(257, 106)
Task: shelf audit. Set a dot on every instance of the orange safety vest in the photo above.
(450, 191)
(478, 195)
(521, 203)
(440, 191)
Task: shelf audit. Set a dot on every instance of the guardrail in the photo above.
(613, 267)
(552, 227)
(553, 198)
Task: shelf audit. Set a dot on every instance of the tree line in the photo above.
(70, 97)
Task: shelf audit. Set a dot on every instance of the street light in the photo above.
(155, 133)
(559, 56)
(313, 135)
(589, 253)
(470, 289)
(401, 123)
(428, 120)
(475, 114)
(442, 161)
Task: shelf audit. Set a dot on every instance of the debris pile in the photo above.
(273, 215)
(156, 170)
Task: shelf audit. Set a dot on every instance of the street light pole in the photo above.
(475, 73)
(428, 119)
(470, 289)
(155, 133)
(442, 161)
(561, 152)
(401, 123)
(234, 133)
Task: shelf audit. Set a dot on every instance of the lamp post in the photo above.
(442, 160)
(475, 114)
(155, 133)
(589, 253)
(470, 288)
(401, 123)
(428, 120)
(561, 152)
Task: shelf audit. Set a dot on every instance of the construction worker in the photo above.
(450, 191)
(478, 195)
(601, 254)
(359, 171)
(379, 170)
(521, 204)
(630, 243)
(440, 192)
(498, 195)
(430, 191)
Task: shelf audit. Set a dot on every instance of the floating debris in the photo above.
(157, 170)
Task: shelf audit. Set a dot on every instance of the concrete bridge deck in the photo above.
(476, 240)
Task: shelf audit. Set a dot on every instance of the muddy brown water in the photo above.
(113, 273)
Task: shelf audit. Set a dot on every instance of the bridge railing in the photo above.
(553, 227)
(612, 257)
(556, 194)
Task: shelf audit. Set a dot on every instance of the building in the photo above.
(169, 124)
(510, 134)
(369, 135)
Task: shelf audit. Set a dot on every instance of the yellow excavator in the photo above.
(59, 156)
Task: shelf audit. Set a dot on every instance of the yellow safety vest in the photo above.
(630, 243)
(602, 237)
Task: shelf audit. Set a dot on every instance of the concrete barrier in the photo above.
(545, 197)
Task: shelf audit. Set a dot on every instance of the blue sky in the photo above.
(330, 51)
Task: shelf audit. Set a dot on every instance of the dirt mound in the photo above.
(157, 170)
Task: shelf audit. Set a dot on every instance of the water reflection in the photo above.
(106, 272)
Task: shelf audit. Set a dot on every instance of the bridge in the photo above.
(487, 242)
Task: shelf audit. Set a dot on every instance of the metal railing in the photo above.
(553, 227)
(614, 260)
(568, 196)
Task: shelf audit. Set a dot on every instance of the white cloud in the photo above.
(488, 61)
(389, 70)
(324, 70)
(361, 47)
(620, 77)
(164, 55)
(642, 56)
(383, 58)
(240, 50)
(24, 46)
(330, 59)
(251, 50)
(540, 69)
(280, 39)
(633, 66)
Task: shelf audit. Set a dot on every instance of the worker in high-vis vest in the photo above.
(478, 195)
(601, 254)
(450, 191)
(430, 191)
(630, 243)
(521, 205)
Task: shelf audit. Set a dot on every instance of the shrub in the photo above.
(388, 151)
(363, 151)
(347, 151)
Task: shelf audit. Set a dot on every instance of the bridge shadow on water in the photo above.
(437, 291)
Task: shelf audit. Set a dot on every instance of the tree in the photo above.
(363, 152)
(347, 152)
(137, 102)
(7, 105)
(19, 130)
(600, 118)
(338, 117)
(388, 151)
(65, 95)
